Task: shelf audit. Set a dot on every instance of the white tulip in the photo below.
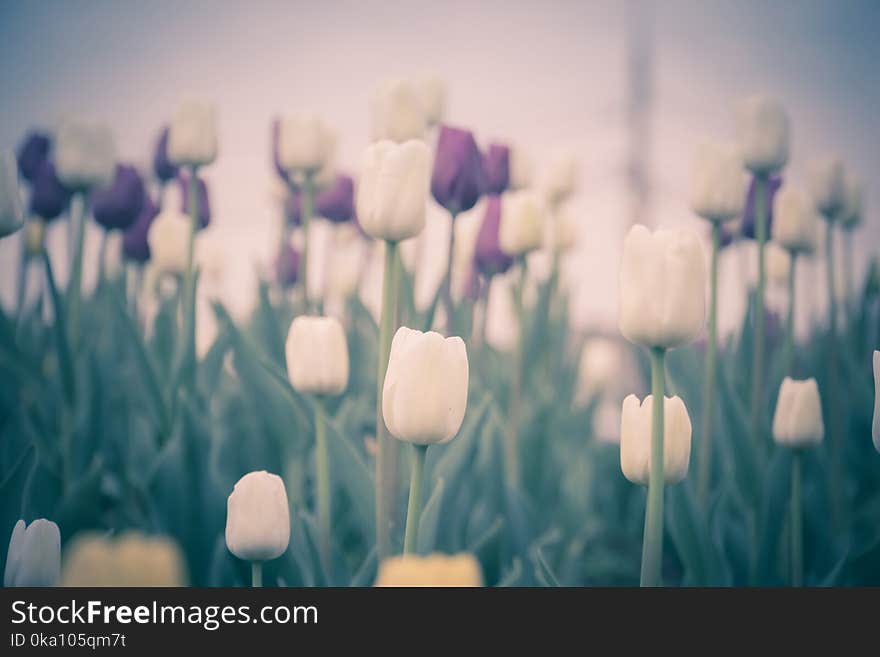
(398, 113)
(392, 192)
(34, 555)
(212, 257)
(875, 429)
(520, 168)
(827, 186)
(305, 143)
(168, 238)
(258, 518)
(797, 421)
(560, 177)
(599, 366)
(11, 215)
(763, 134)
(662, 287)
(317, 355)
(635, 439)
(561, 231)
(130, 559)
(426, 387)
(718, 183)
(192, 135)
(522, 222)
(433, 570)
(795, 222)
(432, 93)
(853, 201)
(85, 155)
(777, 260)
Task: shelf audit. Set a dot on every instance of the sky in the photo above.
(542, 75)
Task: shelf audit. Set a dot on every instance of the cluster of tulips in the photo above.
(498, 219)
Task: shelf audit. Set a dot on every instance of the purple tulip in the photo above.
(119, 205)
(33, 151)
(276, 161)
(204, 201)
(162, 166)
(488, 256)
(726, 237)
(49, 198)
(748, 223)
(457, 180)
(496, 168)
(287, 266)
(134, 239)
(335, 202)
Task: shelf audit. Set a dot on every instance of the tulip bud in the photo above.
(457, 179)
(34, 555)
(778, 263)
(11, 217)
(432, 92)
(600, 365)
(718, 184)
(398, 113)
(522, 222)
(426, 387)
(317, 355)
(488, 256)
(33, 151)
(258, 518)
(635, 439)
(163, 167)
(496, 168)
(796, 223)
(192, 135)
(336, 201)
(662, 287)
(852, 211)
(433, 570)
(130, 559)
(287, 266)
(119, 205)
(49, 198)
(798, 418)
(392, 191)
(763, 134)
(875, 429)
(827, 186)
(560, 177)
(134, 241)
(305, 143)
(168, 241)
(204, 200)
(85, 155)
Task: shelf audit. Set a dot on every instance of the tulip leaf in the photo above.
(689, 533)
(773, 517)
(352, 474)
(62, 338)
(430, 520)
(543, 572)
(513, 574)
(366, 573)
(742, 463)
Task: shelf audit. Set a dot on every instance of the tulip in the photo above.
(875, 428)
(192, 135)
(203, 202)
(560, 177)
(34, 150)
(778, 265)
(434, 570)
(49, 198)
(561, 234)
(335, 202)
(167, 241)
(34, 237)
(131, 559)
(85, 155)
(496, 168)
(134, 241)
(750, 220)
(599, 366)
(305, 144)
(163, 167)
(522, 222)
(317, 355)
(119, 205)
(457, 180)
(635, 440)
(34, 555)
(258, 520)
(287, 266)
(827, 186)
(520, 168)
(423, 402)
(489, 258)
(432, 93)
(718, 185)
(763, 134)
(11, 218)
(398, 111)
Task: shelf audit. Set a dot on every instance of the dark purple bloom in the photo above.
(457, 180)
(276, 161)
(204, 202)
(748, 223)
(287, 266)
(119, 205)
(34, 150)
(488, 256)
(162, 166)
(49, 198)
(726, 237)
(335, 202)
(496, 168)
(134, 240)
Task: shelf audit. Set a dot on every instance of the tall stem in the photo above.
(705, 464)
(652, 545)
(256, 574)
(414, 507)
(833, 419)
(308, 202)
(797, 520)
(386, 458)
(761, 184)
(74, 285)
(188, 298)
(848, 272)
(23, 267)
(788, 353)
(448, 306)
(102, 259)
(511, 443)
(322, 478)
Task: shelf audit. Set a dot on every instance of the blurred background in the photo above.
(631, 87)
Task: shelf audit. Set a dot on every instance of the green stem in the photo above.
(74, 285)
(188, 298)
(833, 419)
(386, 457)
(705, 463)
(848, 271)
(758, 351)
(788, 352)
(511, 443)
(102, 259)
(23, 268)
(322, 477)
(448, 305)
(797, 528)
(652, 546)
(308, 201)
(256, 574)
(414, 507)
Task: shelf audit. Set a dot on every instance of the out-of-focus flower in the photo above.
(522, 222)
(425, 391)
(34, 236)
(559, 179)
(85, 155)
(203, 199)
(305, 144)
(762, 134)
(496, 168)
(276, 153)
(853, 202)
(457, 180)
(747, 229)
(212, 258)
(778, 263)
(392, 190)
(561, 231)
(49, 198)
(635, 439)
(258, 518)
(796, 223)
(34, 150)
(432, 93)
(718, 183)
(334, 202)
(34, 555)
(118, 205)
(168, 241)
(827, 186)
(600, 365)
(875, 429)
(606, 422)
(192, 134)
(11, 216)
(287, 266)
(797, 421)
(520, 168)
(346, 263)
(128, 560)
(662, 287)
(317, 355)
(489, 257)
(433, 570)
(134, 241)
(164, 169)
(398, 111)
